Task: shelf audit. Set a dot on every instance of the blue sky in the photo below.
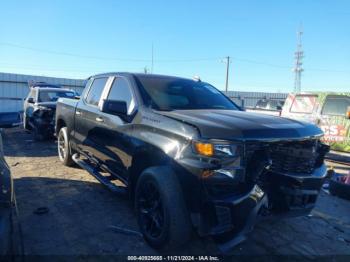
(79, 38)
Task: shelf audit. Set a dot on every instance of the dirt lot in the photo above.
(81, 213)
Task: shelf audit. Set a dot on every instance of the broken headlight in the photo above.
(228, 155)
(217, 149)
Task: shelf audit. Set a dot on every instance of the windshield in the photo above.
(166, 93)
(53, 96)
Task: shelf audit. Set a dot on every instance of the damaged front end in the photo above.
(43, 121)
(268, 179)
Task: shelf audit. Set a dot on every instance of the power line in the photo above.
(102, 58)
(73, 54)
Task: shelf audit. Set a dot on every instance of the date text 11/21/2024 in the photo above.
(173, 258)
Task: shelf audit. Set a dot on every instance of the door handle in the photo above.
(99, 119)
(78, 113)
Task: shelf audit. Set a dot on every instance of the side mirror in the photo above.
(348, 113)
(114, 107)
(30, 100)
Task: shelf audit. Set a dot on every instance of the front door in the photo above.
(112, 137)
(87, 113)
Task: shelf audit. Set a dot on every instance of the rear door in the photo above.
(334, 123)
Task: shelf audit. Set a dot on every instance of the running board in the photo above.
(106, 181)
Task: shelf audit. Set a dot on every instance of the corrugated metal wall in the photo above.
(249, 99)
(14, 88)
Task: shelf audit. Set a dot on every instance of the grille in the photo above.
(48, 115)
(299, 157)
(294, 157)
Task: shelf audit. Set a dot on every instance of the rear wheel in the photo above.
(64, 151)
(161, 210)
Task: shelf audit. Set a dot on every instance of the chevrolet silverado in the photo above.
(188, 157)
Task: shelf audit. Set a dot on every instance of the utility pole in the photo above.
(227, 71)
(299, 54)
(152, 60)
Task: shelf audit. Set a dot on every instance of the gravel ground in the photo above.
(82, 213)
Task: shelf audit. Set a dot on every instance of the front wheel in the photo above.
(64, 151)
(161, 210)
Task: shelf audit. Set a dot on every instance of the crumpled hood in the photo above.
(231, 124)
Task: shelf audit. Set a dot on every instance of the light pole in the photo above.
(227, 71)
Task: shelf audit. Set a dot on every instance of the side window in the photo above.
(304, 104)
(121, 91)
(96, 90)
(336, 106)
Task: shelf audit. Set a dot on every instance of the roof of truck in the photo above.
(139, 75)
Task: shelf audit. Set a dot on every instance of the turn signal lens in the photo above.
(204, 149)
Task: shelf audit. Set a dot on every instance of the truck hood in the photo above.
(240, 125)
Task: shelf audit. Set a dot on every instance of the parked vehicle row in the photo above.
(189, 158)
(330, 111)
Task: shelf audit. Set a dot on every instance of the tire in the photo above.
(169, 215)
(64, 150)
(339, 189)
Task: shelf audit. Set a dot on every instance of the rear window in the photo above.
(303, 104)
(336, 106)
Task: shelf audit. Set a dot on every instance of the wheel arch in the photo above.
(59, 124)
(143, 159)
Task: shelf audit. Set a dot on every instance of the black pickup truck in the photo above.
(189, 158)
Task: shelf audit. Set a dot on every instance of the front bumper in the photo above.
(45, 126)
(231, 218)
